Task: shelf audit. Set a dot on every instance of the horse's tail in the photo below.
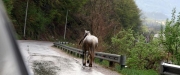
(82, 38)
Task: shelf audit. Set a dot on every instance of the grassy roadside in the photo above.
(138, 72)
(126, 71)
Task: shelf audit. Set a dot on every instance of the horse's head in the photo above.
(86, 33)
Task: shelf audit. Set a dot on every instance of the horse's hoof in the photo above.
(84, 64)
(87, 61)
(90, 65)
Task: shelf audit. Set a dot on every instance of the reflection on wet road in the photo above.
(43, 59)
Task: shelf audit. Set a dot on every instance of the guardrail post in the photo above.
(66, 50)
(61, 48)
(71, 52)
(75, 54)
(161, 69)
(78, 55)
(57, 45)
(111, 64)
(122, 61)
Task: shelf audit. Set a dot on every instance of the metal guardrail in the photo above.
(112, 58)
(169, 69)
(166, 69)
(64, 42)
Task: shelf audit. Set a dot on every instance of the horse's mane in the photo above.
(86, 33)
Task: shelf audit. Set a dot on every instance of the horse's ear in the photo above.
(86, 31)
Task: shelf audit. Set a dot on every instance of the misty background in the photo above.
(155, 12)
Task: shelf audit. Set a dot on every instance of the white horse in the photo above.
(90, 43)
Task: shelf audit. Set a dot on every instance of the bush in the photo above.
(140, 55)
(145, 55)
(122, 42)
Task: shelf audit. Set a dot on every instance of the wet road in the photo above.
(43, 59)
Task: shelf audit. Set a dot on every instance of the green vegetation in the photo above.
(143, 54)
(138, 72)
(105, 63)
(137, 49)
(116, 23)
(46, 19)
(9, 6)
(126, 71)
(170, 38)
(129, 14)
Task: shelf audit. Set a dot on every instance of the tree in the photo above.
(129, 14)
(9, 6)
(98, 17)
(45, 17)
(123, 42)
(171, 39)
(105, 18)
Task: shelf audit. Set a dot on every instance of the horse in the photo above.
(89, 43)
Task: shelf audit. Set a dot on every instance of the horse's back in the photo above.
(91, 39)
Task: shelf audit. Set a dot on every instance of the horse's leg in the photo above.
(92, 56)
(93, 51)
(90, 64)
(84, 58)
(88, 57)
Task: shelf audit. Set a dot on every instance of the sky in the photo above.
(158, 6)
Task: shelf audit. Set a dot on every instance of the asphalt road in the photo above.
(43, 59)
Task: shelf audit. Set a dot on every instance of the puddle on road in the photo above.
(44, 65)
(44, 68)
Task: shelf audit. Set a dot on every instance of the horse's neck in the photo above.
(88, 34)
